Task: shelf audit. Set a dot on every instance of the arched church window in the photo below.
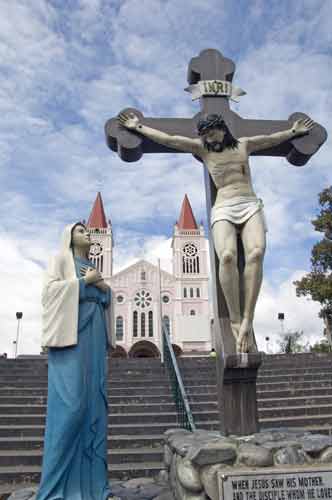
(185, 293)
(191, 292)
(167, 324)
(190, 259)
(192, 312)
(142, 324)
(143, 275)
(135, 324)
(198, 292)
(150, 324)
(119, 328)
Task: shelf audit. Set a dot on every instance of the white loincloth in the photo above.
(238, 210)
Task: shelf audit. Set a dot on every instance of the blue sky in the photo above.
(68, 66)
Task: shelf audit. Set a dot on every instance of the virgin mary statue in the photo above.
(76, 314)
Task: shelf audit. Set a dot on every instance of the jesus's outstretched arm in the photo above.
(179, 142)
(259, 142)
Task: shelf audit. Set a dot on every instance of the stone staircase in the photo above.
(293, 390)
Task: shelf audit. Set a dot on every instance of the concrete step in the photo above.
(123, 409)
(296, 421)
(114, 430)
(37, 405)
(145, 418)
(295, 401)
(116, 391)
(208, 371)
(296, 359)
(114, 442)
(119, 409)
(12, 381)
(270, 387)
(296, 377)
(294, 391)
(264, 390)
(195, 391)
(163, 381)
(170, 417)
(264, 371)
(11, 458)
(158, 427)
(31, 473)
(308, 384)
(113, 400)
(296, 411)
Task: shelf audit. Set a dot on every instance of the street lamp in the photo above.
(267, 339)
(19, 316)
(281, 318)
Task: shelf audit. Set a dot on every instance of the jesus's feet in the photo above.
(235, 326)
(244, 337)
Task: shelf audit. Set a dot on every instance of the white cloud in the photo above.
(301, 314)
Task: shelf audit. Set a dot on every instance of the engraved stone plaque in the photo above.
(276, 484)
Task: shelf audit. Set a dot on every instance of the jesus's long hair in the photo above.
(212, 121)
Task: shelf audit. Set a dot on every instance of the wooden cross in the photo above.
(210, 75)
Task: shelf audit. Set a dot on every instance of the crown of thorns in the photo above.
(210, 121)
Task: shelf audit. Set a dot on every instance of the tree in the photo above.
(317, 284)
(292, 342)
(321, 346)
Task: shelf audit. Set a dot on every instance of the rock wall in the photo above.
(193, 459)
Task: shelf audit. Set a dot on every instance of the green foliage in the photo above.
(292, 342)
(318, 283)
(323, 223)
(321, 346)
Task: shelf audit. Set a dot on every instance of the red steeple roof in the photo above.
(187, 219)
(97, 217)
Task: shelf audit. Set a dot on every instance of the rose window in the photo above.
(96, 249)
(190, 250)
(143, 299)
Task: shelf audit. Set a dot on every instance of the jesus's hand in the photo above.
(303, 126)
(128, 120)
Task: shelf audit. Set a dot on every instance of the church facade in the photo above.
(144, 295)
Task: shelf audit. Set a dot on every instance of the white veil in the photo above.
(60, 297)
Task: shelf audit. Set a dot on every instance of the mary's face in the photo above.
(81, 237)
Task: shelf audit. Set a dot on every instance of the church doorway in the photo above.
(177, 350)
(119, 352)
(144, 349)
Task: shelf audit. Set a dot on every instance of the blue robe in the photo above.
(75, 444)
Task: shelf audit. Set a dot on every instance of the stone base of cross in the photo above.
(210, 79)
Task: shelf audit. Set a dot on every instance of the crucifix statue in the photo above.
(223, 142)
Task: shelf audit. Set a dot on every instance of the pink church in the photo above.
(142, 294)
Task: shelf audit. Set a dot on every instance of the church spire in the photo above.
(97, 217)
(187, 219)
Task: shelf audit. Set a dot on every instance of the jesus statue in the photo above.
(237, 210)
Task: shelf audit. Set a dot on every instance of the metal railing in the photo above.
(185, 417)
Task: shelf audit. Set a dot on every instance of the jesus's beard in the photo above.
(215, 146)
